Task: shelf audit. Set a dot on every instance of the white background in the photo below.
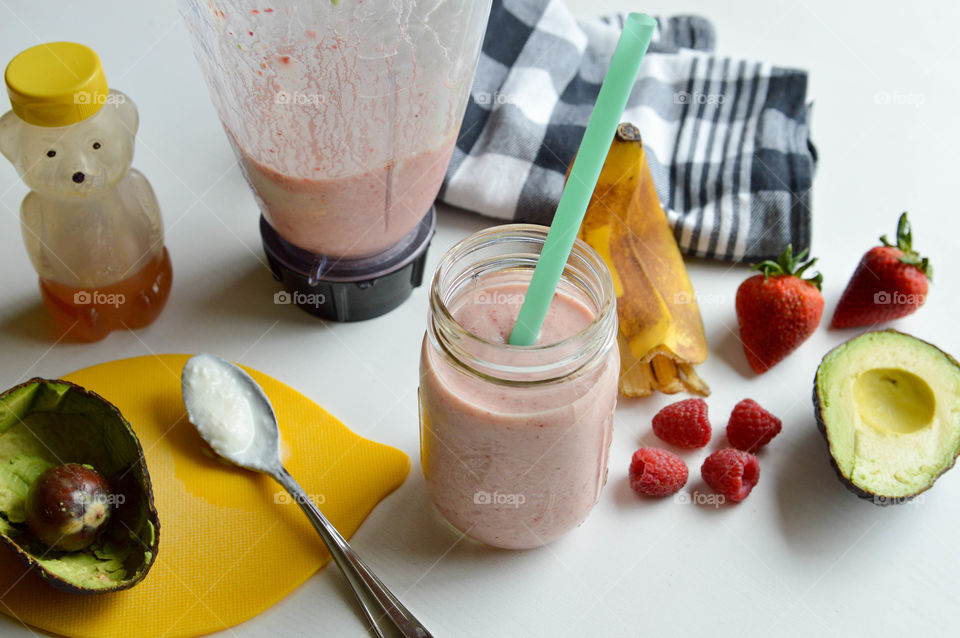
(800, 555)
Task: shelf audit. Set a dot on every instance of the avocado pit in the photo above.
(68, 506)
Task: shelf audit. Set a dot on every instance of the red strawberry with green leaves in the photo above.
(890, 282)
(778, 309)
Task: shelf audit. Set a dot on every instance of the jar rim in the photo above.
(605, 304)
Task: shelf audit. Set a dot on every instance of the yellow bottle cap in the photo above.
(56, 84)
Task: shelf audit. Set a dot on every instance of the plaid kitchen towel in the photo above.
(726, 139)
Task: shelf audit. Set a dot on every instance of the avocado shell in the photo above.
(70, 424)
(876, 499)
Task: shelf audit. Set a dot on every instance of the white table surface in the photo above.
(800, 555)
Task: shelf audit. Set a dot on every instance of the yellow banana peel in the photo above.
(661, 333)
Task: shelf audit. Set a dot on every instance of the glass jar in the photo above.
(515, 439)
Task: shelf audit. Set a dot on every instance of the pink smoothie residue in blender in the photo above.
(355, 215)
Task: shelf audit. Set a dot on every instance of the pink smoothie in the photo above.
(352, 216)
(515, 467)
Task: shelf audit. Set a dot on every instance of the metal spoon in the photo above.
(260, 452)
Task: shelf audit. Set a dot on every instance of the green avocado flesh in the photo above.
(46, 423)
(889, 406)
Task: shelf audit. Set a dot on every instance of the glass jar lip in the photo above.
(537, 233)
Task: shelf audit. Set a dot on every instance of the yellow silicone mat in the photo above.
(231, 542)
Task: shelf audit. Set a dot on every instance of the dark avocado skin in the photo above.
(876, 499)
(136, 467)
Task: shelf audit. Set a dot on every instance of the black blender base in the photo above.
(351, 301)
(348, 290)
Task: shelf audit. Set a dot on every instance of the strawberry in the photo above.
(778, 310)
(890, 282)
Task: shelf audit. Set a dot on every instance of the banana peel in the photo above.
(661, 335)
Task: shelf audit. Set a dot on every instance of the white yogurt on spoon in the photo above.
(224, 410)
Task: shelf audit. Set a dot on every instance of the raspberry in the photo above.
(684, 423)
(751, 427)
(731, 473)
(656, 472)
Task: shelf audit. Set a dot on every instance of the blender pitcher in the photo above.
(343, 117)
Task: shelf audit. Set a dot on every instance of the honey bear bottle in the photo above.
(91, 223)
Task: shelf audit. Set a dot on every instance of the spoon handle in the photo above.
(386, 613)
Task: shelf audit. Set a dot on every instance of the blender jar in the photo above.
(343, 117)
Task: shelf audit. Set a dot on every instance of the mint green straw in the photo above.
(594, 146)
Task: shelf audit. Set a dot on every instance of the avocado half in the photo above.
(44, 423)
(888, 405)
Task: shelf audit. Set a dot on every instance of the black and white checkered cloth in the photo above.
(727, 140)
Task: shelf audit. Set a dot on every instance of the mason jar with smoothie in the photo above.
(515, 439)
